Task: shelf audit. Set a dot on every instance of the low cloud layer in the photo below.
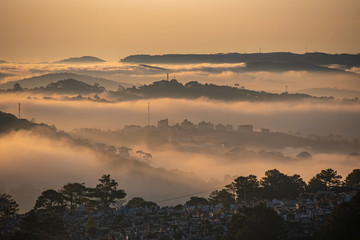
(223, 74)
(304, 117)
(33, 161)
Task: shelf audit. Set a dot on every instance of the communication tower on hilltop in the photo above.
(19, 110)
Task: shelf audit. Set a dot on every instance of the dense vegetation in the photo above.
(258, 222)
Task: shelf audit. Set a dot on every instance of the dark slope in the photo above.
(348, 60)
(70, 86)
(46, 79)
(83, 59)
(9, 122)
(193, 90)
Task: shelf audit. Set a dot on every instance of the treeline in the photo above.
(278, 185)
(194, 89)
(46, 218)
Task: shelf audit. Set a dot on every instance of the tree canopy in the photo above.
(327, 179)
(353, 178)
(49, 200)
(138, 202)
(278, 185)
(197, 200)
(343, 222)
(106, 192)
(223, 196)
(74, 195)
(257, 223)
(8, 207)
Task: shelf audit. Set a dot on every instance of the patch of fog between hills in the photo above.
(223, 74)
(33, 161)
(304, 117)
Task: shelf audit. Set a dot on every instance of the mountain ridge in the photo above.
(83, 59)
(46, 79)
(317, 58)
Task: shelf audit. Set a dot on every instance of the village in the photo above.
(301, 218)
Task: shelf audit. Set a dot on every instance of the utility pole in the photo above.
(19, 110)
(148, 114)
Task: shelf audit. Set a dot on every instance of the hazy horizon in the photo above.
(40, 30)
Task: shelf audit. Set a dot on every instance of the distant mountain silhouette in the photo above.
(9, 122)
(45, 79)
(320, 59)
(2, 61)
(70, 86)
(334, 92)
(288, 66)
(83, 59)
(4, 75)
(194, 89)
(153, 67)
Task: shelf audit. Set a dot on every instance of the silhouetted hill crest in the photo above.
(71, 86)
(194, 89)
(316, 58)
(83, 59)
(45, 79)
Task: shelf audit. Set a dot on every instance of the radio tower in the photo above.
(148, 114)
(19, 110)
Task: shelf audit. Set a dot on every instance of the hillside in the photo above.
(70, 86)
(194, 89)
(9, 122)
(315, 58)
(46, 79)
(291, 60)
(83, 59)
(334, 92)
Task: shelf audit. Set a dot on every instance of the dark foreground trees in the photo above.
(45, 220)
(74, 194)
(343, 222)
(197, 200)
(257, 223)
(327, 179)
(223, 196)
(8, 207)
(138, 202)
(106, 192)
(353, 179)
(278, 185)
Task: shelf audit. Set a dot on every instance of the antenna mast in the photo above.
(19, 110)
(148, 114)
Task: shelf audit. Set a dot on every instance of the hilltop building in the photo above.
(246, 128)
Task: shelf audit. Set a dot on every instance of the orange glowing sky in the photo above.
(48, 30)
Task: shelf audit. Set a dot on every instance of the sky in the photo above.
(43, 30)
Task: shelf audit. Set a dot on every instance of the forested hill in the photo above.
(316, 58)
(9, 122)
(70, 86)
(194, 89)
